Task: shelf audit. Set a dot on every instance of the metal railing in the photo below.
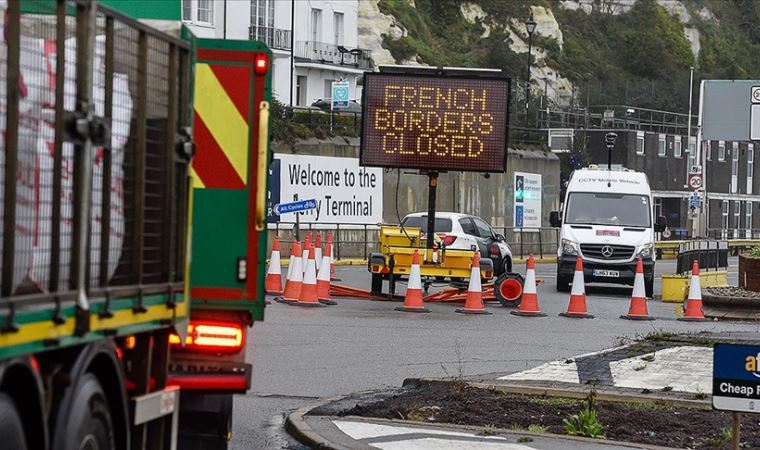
(711, 255)
(358, 240)
(349, 240)
(325, 53)
(615, 116)
(338, 121)
(275, 38)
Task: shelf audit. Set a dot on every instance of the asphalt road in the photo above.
(300, 355)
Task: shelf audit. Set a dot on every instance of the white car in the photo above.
(466, 232)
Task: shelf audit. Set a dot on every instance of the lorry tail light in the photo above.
(211, 336)
(261, 64)
(494, 250)
(448, 240)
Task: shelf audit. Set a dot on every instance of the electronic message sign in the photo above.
(435, 122)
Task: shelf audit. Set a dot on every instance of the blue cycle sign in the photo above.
(302, 205)
(340, 94)
(736, 377)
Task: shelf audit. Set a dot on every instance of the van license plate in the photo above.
(606, 273)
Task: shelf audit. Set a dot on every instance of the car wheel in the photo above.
(507, 265)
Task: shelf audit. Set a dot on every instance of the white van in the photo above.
(607, 219)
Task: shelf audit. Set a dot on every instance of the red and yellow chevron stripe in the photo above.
(221, 131)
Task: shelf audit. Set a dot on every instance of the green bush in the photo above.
(754, 252)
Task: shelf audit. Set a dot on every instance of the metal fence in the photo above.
(345, 123)
(358, 240)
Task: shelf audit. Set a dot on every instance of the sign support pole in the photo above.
(736, 430)
(432, 185)
(297, 229)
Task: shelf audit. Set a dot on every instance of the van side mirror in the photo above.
(660, 224)
(554, 219)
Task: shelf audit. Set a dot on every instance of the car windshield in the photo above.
(628, 210)
(442, 224)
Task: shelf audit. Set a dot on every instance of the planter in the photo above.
(749, 273)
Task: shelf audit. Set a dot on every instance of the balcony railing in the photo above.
(275, 38)
(325, 53)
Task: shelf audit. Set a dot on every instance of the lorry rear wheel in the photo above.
(88, 426)
(11, 428)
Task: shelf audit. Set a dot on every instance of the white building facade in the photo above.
(322, 49)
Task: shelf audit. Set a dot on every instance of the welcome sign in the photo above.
(435, 122)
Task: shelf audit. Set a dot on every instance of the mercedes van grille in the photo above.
(607, 251)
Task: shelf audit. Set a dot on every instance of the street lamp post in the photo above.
(530, 26)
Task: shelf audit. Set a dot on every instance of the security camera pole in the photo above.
(610, 139)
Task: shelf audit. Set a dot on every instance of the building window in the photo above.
(724, 213)
(338, 28)
(315, 26)
(206, 11)
(737, 218)
(639, 142)
(734, 167)
(301, 90)
(187, 10)
(750, 166)
(262, 20)
(721, 150)
(328, 88)
(661, 149)
(708, 149)
(677, 146)
(748, 220)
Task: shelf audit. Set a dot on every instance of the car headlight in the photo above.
(568, 247)
(646, 251)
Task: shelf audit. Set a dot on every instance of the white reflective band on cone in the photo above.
(475, 285)
(414, 278)
(578, 287)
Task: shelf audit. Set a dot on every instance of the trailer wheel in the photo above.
(508, 289)
(11, 428)
(88, 426)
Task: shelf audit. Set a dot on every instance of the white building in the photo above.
(324, 44)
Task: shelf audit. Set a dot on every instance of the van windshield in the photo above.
(626, 210)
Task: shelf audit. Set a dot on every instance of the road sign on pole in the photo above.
(340, 94)
(695, 180)
(287, 208)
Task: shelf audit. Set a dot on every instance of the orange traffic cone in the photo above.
(273, 283)
(638, 309)
(577, 306)
(413, 299)
(306, 249)
(529, 302)
(308, 295)
(693, 307)
(318, 250)
(474, 302)
(333, 277)
(295, 277)
(323, 279)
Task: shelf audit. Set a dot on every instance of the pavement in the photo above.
(302, 356)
